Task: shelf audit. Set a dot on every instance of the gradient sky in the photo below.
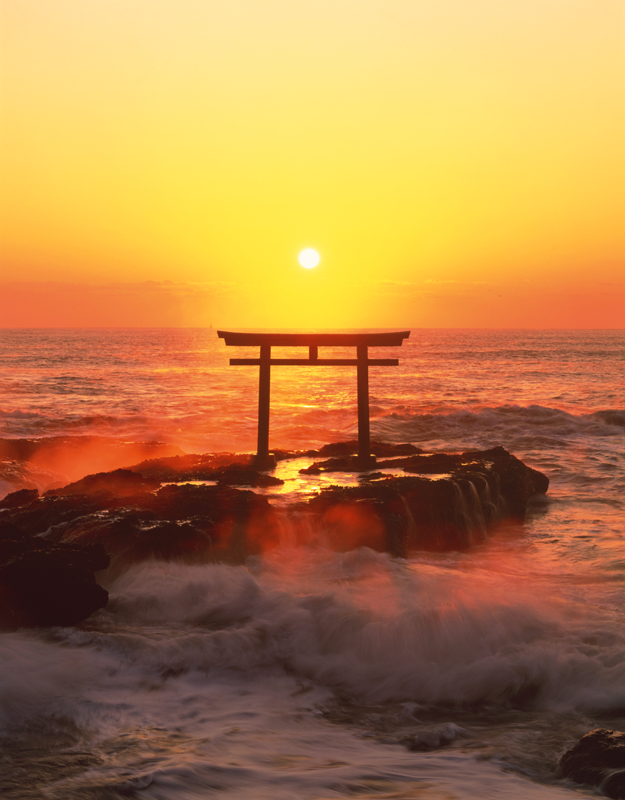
(455, 162)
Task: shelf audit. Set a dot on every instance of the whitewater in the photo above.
(310, 673)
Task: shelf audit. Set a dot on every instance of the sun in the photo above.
(309, 258)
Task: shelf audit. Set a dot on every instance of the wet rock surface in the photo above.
(218, 467)
(134, 521)
(47, 543)
(118, 483)
(479, 489)
(379, 449)
(45, 583)
(236, 469)
(598, 759)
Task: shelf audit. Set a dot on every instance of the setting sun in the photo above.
(309, 258)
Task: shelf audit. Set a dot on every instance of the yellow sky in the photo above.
(455, 162)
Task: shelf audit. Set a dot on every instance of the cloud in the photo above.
(146, 304)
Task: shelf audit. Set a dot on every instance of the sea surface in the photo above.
(308, 673)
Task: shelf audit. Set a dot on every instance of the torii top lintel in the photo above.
(361, 341)
(385, 339)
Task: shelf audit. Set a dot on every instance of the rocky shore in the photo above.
(192, 508)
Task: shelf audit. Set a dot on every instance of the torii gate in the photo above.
(361, 341)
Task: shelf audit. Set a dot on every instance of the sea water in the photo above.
(307, 673)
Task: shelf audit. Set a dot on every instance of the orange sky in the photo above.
(456, 163)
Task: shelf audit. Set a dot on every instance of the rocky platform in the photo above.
(51, 545)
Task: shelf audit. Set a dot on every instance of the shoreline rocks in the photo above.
(476, 490)
(441, 502)
(44, 583)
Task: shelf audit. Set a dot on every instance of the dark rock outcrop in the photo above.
(395, 515)
(399, 514)
(445, 502)
(131, 536)
(118, 483)
(598, 759)
(19, 498)
(191, 467)
(42, 583)
(132, 522)
(379, 449)
(218, 467)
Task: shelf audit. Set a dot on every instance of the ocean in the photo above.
(307, 673)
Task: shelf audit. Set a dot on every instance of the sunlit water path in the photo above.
(309, 673)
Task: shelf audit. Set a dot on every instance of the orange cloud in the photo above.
(148, 304)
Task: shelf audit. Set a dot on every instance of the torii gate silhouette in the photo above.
(361, 341)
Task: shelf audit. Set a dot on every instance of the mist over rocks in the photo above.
(53, 461)
(443, 502)
(476, 490)
(49, 451)
(51, 546)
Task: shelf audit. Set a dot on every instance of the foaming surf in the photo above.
(178, 678)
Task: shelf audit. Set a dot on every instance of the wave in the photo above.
(542, 425)
(610, 417)
(290, 427)
(359, 624)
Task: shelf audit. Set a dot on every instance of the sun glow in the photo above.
(309, 258)
(448, 158)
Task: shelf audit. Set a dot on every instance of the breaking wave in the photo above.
(363, 626)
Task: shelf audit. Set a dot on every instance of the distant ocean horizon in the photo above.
(303, 673)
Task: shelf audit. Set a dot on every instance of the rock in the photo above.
(218, 467)
(187, 522)
(119, 483)
(431, 464)
(225, 467)
(380, 449)
(191, 467)
(445, 502)
(339, 464)
(431, 738)
(400, 514)
(23, 497)
(130, 537)
(395, 515)
(46, 513)
(598, 759)
(42, 583)
(246, 477)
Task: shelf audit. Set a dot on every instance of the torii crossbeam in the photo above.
(361, 341)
